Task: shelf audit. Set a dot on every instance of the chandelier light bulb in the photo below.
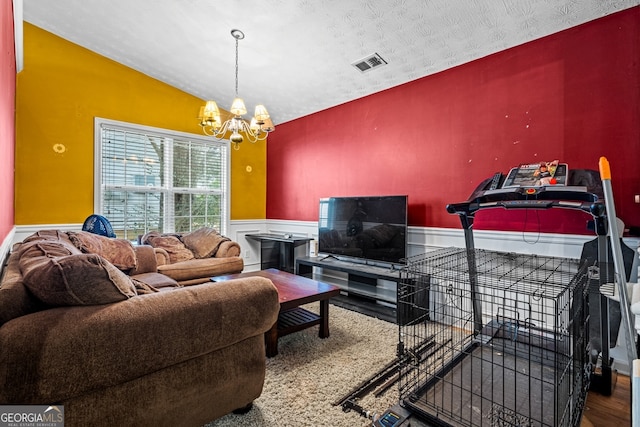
(261, 113)
(238, 108)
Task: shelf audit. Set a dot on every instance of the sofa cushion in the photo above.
(81, 279)
(156, 280)
(203, 242)
(118, 252)
(52, 235)
(205, 267)
(175, 248)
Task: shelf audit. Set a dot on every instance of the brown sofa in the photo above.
(194, 257)
(114, 348)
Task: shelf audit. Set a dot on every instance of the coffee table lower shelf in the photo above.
(295, 320)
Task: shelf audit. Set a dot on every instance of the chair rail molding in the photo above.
(419, 240)
(24, 231)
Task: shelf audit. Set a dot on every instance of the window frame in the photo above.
(98, 194)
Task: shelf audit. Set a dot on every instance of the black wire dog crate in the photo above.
(493, 339)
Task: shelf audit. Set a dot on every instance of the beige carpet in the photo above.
(310, 373)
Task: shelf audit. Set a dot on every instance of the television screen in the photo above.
(371, 228)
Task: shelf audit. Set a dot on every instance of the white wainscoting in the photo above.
(6, 246)
(423, 239)
(420, 240)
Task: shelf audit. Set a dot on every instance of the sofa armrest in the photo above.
(146, 261)
(228, 248)
(196, 271)
(162, 256)
(92, 347)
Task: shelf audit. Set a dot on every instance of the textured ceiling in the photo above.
(297, 54)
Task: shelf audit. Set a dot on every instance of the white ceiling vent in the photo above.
(369, 63)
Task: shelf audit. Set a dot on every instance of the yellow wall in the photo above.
(59, 92)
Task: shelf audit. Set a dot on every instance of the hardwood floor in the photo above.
(607, 411)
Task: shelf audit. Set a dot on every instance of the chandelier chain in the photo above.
(236, 67)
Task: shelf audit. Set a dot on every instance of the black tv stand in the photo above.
(330, 257)
(362, 280)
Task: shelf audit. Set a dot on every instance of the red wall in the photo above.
(572, 96)
(7, 117)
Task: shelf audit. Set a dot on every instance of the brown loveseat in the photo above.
(76, 330)
(194, 257)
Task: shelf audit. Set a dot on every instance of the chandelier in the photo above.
(256, 130)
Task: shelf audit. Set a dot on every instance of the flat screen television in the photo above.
(367, 228)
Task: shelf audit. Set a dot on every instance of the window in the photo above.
(155, 179)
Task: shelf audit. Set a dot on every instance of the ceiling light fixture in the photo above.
(212, 125)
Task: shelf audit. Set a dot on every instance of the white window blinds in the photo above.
(155, 179)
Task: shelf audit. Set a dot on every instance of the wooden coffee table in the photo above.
(293, 291)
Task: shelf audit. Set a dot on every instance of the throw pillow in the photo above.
(175, 248)
(84, 279)
(32, 253)
(118, 252)
(203, 242)
(52, 235)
